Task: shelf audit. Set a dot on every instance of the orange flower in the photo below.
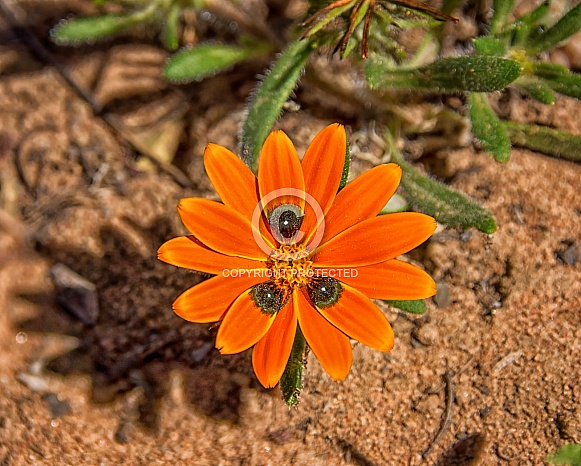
(287, 250)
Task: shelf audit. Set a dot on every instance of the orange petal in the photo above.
(190, 253)
(355, 315)
(279, 168)
(331, 347)
(220, 228)
(271, 353)
(234, 182)
(209, 300)
(375, 240)
(243, 326)
(393, 279)
(362, 198)
(323, 167)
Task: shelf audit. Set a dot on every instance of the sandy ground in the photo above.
(499, 351)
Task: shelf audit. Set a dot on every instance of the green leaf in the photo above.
(546, 140)
(442, 202)
(486, 45)
(536, 89)
(566, 84)
(88, 30)
(413, 307)
(568, 454)
(328, 18)
(205, 60)
(458, 74)
(291, 382)
(170, 32)
(535, 16)
(561, 30)
(487, 127)
(548, 70)
(526, 24)
(268, 100)
(502, 9)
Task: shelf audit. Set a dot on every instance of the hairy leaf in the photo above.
(458, 74)
(442, 202)
(206, 60)
(486, 45)
(268, 100)
(291, 382)
(536, 89)
(546, 140)
(487, 127)
(87, 30)
(566, 84)
(526, 24)
(561, 30)
(501, 10)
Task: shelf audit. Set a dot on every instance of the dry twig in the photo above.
(448, 414)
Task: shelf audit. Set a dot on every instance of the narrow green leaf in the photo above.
(568, 454)
(291, 382)
(567, 84)
(487, 127)
(268, 100)
(546, 140)
(561, 30)
(458, 74)
(548, 70)
(170, 31)
(536, 89)
(87, 30)
(535, 16)
(529, 23)
(205, 60)
(442, 202)
(329, 17)
(486, 45)
(413, 307)
(502, 9)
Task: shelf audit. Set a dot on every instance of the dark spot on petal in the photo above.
(285, 221)
(268, 297)
(324, 292)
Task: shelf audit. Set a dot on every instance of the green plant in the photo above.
(509, 55)
(189, 64)
(568, 454)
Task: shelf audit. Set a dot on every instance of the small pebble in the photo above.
(569, 255)
(57, 407)
(442, 298)
(427, 334)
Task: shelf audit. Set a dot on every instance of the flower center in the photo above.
(290, 267)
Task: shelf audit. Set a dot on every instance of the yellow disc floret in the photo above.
(290, 267)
